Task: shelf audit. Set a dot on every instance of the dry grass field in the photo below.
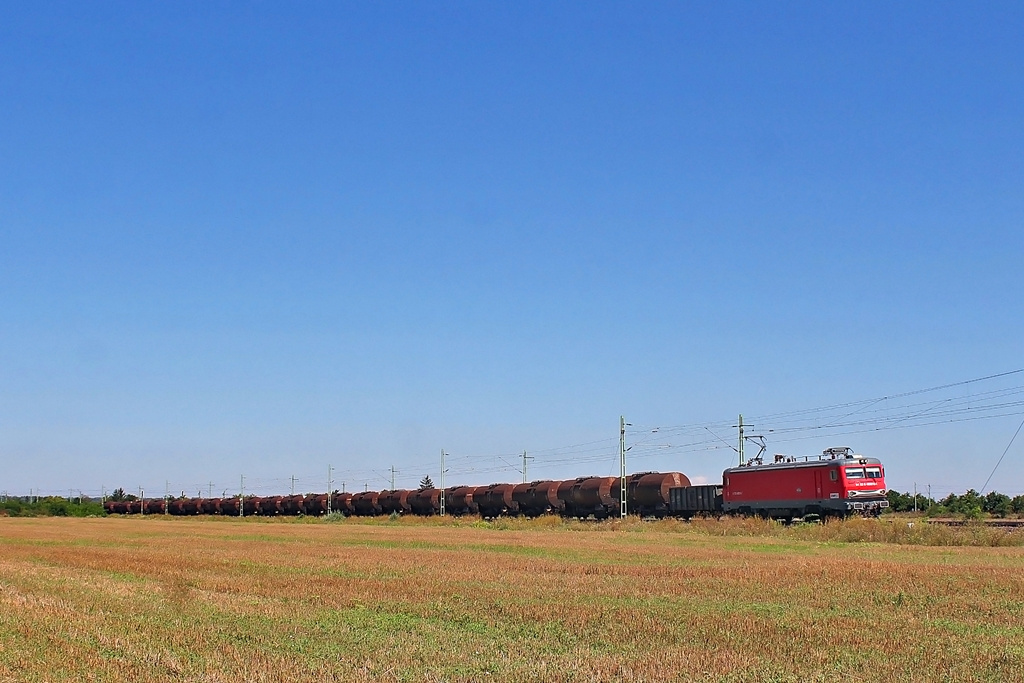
(172, 599)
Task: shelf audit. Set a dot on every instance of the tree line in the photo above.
(971, 504)
(51, 506)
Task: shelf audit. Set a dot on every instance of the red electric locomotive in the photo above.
(836, 483)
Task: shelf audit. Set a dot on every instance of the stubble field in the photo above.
(172, 599)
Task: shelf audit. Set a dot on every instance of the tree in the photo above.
(997, 504)
(426, 483)
(118, 494)
(1017, 504)
(970, 504)
(57, 507)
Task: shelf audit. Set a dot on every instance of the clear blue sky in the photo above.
(262, 238)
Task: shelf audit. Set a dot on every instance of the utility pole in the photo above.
(293, 484)
(741, 439)
(393, 471)
(142, 501)
(329, 468)
(241, 497)
(915, 496)
(211, 489)
(525, 458)
(442, 483)
(622, 466)
(167, 494)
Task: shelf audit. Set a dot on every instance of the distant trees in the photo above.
(904, 502)
(971, 505)
(426, 483)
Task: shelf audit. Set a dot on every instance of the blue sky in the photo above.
(263, 238)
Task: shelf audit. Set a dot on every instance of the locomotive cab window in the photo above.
(854, 472)
(873, 472)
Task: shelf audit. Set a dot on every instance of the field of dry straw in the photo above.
(150, 599)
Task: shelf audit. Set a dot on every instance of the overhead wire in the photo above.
(843, 418)
(1005, 451)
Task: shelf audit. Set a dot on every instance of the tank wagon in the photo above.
(249, 506)
(593, 496)
(537, 498)
(269, 506)
(461, 500)
(836, 483)
(342, 502)
(366, 504)
(649, 493)
(395, 502)
(496, 500)
(425, 502)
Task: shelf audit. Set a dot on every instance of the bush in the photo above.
(56, 507)
(53, 506)
(13, 507)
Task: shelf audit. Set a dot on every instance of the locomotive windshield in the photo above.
(873, 472)
(854, 472)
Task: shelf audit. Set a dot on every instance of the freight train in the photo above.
(836, 483)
